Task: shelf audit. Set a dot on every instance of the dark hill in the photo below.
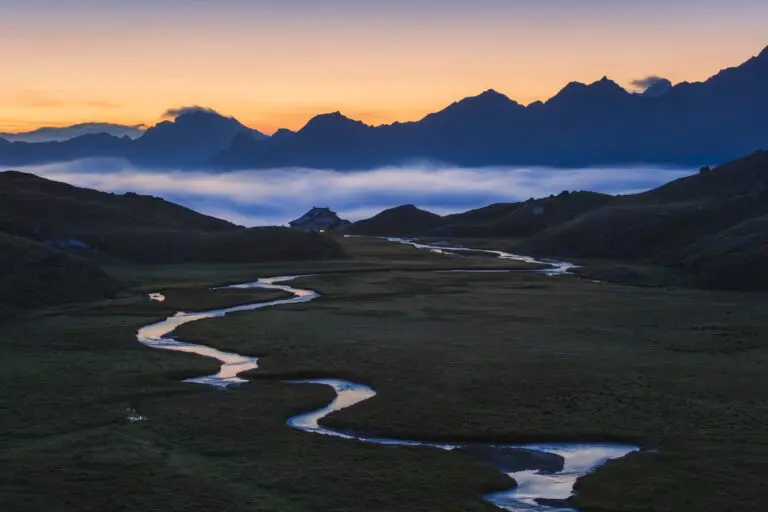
(666, 219)
(99, 225)
(521, 219)
(48, 210)
(35, 275)
(732, 258)
(709, 229)
(193, 138)
(711, 226)
(403, 220)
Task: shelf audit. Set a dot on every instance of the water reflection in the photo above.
(555, 267)
(532, 484)
(539, 486)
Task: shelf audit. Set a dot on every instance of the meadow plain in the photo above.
(504, 357)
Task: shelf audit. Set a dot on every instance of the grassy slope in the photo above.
(499, 356)
(32, 274)
(140, 228)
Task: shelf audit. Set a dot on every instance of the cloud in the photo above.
(644, 84)
(276, 196)
(173, 113)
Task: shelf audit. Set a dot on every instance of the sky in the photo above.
(277, 63)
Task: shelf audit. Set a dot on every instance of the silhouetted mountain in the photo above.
(139, 228)
(85, 146)
(59, 134)
(598, 123)
(328, 140)
(193, 138)
(282, 134)
(400, 221)
(583, 125)
(658, 89)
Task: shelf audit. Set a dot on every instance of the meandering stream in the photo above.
(545, 473)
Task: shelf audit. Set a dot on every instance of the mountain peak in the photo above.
(332, 120)
(606, 85)
(578, 92)
(475, 109)
(658, 89)
(764, 54)
(282, 134)
(492, 93)
(491, 98)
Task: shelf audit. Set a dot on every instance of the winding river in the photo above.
(545, 473)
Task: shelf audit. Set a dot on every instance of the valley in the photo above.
(473, 357)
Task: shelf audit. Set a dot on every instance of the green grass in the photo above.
(503, 357)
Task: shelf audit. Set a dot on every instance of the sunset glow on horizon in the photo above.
(275, 65)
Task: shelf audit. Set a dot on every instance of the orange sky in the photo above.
(275, 67)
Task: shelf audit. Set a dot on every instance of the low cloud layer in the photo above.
(276, 196)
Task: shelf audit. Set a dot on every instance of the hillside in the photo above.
(659, 223)
(52, 211)
(35, 275)
(139, 228)
(403, 220)
(54, 234)
(710, 228)
(521, 219)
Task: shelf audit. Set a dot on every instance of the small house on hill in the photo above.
(319, 219)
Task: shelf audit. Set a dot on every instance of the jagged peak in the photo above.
(492, 93)
(574, 86)
(605, 87)
(608, 85)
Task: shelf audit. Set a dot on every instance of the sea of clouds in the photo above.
(276, 196)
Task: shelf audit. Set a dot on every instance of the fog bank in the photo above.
(276, 196)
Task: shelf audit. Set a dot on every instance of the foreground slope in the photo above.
(709, 227)
(140, 228)
(665, 220)
(35, 275)
(54, 234)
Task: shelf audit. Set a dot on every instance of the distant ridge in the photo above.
(599, 123)
(59, 134)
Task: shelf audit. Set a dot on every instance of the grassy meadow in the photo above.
(454, 356)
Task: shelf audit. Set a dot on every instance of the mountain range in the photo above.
(584, 124)
(59, 134)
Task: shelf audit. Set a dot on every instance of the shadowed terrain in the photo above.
(460, 356)
(52, 235)
(705, 230)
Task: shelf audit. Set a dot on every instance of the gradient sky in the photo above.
(276, 63)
